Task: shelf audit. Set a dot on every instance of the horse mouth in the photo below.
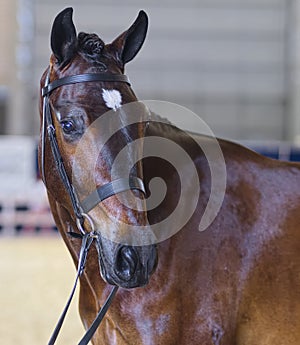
(129, 267)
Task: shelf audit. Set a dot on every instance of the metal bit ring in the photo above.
(80, 224)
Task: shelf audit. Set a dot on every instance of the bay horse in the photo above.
(236, 283)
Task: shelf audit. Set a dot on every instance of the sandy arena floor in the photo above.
(36, 277)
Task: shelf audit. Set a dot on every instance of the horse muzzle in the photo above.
(126, 266)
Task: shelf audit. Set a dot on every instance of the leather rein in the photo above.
(82, 208)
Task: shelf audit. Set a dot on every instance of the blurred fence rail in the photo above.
(23, 201)
(24, 208)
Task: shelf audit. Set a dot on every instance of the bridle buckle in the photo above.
(81, 228)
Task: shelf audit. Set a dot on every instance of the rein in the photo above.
(81, 208)
(87, 240)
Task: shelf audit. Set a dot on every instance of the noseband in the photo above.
(81, 208)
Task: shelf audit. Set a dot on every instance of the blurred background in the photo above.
(235, 63)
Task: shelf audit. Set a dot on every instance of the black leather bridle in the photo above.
(82, 208)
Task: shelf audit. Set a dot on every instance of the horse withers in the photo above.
(235, 283)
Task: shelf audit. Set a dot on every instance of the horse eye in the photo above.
(68, 127)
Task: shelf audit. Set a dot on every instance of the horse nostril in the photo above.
(126, 263)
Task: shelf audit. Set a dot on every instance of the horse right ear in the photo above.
(128, 44)
(63, 36)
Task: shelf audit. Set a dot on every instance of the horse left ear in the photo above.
(129, 43)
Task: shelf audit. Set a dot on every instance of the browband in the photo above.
(80, 78)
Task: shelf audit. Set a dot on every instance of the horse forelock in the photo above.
(90, 45)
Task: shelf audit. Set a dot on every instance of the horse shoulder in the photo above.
(264, 199)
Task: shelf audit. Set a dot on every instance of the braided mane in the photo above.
(90, 44)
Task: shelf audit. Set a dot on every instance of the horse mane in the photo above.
(91, 45)
(155, 117)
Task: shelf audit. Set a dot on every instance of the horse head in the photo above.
(74, 109)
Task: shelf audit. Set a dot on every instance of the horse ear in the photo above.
(129, 43)
(63, 36)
